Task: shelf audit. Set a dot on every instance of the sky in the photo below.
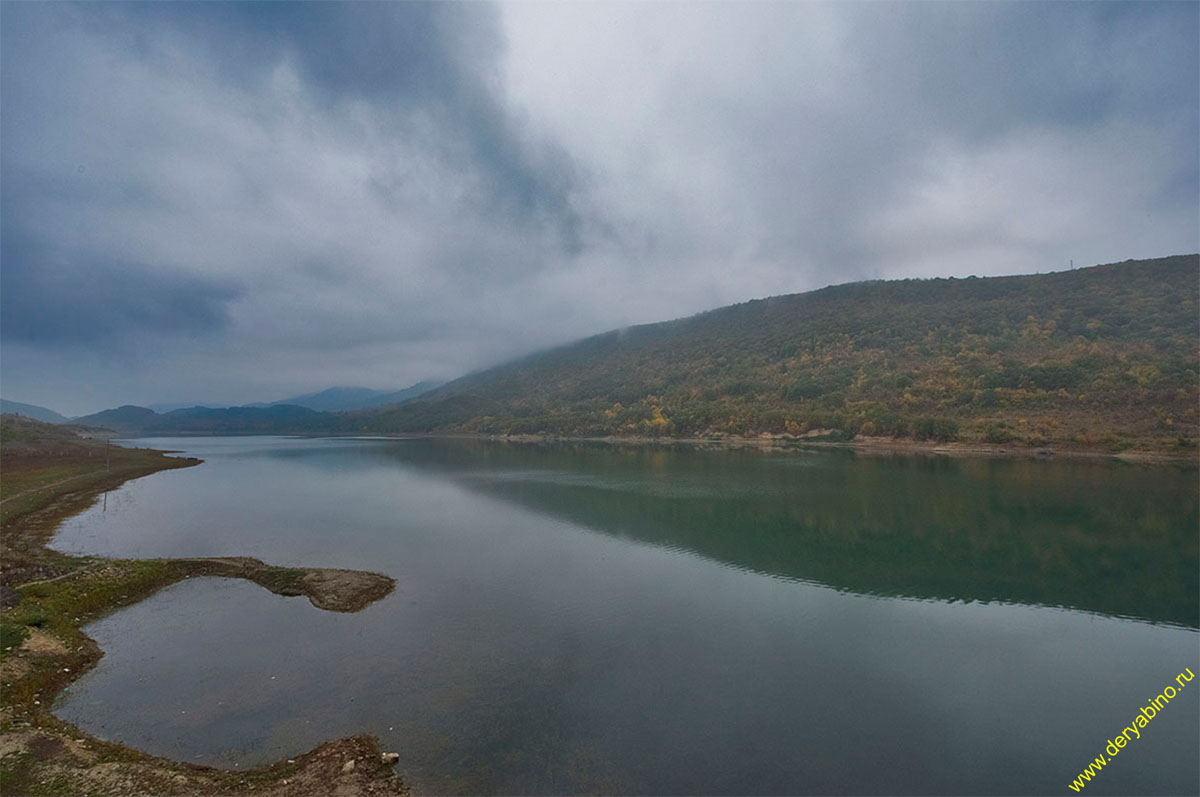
(235, 202)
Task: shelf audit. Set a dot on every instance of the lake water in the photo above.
(574, 618)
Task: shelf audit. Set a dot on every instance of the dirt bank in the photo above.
(327, 588)
(49, 473)
(865, 445)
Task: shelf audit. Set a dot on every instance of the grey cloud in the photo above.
(280, 196)
(432, 58)
(52, 296)
(984, 71)
(811, 137)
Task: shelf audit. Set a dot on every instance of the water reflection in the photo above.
(581, 619)
(1104, 537)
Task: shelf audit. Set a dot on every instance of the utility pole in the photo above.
(107, 443)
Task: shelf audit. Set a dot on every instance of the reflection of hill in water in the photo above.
(1108, 538)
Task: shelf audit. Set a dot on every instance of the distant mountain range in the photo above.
(1102, 357)
(279, 419)
(342, 399)
(309, 413)
(334, 399)
(31, 411)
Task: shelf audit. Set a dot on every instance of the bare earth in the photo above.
(45, 597)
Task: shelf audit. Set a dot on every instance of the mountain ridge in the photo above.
(1100, 356)
(44, 414)
(341, 398)
(276, 419)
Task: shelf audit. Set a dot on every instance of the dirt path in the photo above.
(25, 493)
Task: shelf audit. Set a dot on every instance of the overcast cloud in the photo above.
(233, 202)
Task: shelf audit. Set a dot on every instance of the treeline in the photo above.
(1102, 356)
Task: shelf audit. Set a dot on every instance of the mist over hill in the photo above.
(332, 399)
(31, 411)
(280, 419)
(1103, 356)
(307, 414)
(341, 399)
(126, 418)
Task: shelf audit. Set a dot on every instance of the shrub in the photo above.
(998, 433)
(942, 430)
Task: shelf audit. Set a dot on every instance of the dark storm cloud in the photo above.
(237, 201)
(413, 51)
(55, 293)
(434, 58)
(341, 189)
(52, 296)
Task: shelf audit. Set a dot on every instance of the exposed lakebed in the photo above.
(574, 618)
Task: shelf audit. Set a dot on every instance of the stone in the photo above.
(389, 758)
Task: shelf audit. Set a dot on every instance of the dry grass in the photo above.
(46, 474)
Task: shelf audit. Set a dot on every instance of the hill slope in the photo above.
(340, 399)
(276, 419)
(31, 411)
(127, 417)
(1099, 356)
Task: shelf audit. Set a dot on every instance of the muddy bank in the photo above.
(48, 596)
(327, 588)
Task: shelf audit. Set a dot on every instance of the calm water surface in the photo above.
(585, 618)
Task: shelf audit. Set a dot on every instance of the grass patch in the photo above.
(31, 618)
(59, 605)
(12, 634)
(49, 474)
(282, 580)
(16, 771)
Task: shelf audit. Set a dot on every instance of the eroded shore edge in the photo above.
(44, 650)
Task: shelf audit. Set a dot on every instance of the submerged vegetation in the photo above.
(1100, 357)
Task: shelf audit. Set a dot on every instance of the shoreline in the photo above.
(861, 445)
(818, 439)
(57, 594)
(46, 597)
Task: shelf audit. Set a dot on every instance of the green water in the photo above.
(1110, 538)
(581, 618)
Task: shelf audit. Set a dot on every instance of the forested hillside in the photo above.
(1103, 356)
